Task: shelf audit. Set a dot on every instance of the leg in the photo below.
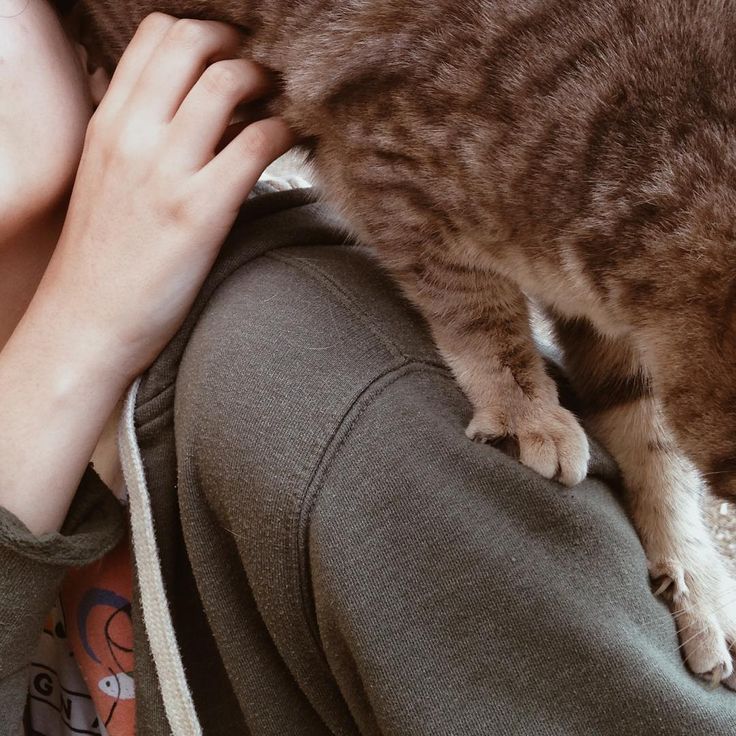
(665, 494)
(480, 321)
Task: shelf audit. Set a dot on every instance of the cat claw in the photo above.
(663, 587)
(672, 578)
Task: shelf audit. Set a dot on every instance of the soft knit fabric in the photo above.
(336, 557)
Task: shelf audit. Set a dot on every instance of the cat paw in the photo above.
(704, 610)
(549, 438)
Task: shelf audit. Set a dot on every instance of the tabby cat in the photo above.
(580, 153)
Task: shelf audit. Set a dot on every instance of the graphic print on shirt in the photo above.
(96, 602)
(59, 703)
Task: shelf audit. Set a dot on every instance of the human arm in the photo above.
(145, 222)
(150, 207)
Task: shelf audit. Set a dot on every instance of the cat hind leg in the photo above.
(664, 493)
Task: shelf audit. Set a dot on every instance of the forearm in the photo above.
(58, 385)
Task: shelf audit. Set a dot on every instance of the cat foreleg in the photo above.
(480, 322)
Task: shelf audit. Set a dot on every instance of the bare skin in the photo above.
(104, 241)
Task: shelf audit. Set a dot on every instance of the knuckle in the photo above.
(126, 148)
(188, 32)
(126, 145)
(221, 79)
(156, 20)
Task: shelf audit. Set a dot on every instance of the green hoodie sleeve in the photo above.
(31, 571)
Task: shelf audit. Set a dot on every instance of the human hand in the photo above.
(154, 197)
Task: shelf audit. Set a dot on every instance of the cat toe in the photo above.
(538, 451)
(487, 429)
(573, 450)
(730, 682)
(556, 447)
(705, 649)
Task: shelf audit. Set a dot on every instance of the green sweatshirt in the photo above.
(319, 549)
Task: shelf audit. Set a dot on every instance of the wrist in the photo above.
(58, 386)
(71, 352)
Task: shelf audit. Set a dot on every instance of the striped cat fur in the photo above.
(582, 154)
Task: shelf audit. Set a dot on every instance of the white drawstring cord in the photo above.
(156, 615)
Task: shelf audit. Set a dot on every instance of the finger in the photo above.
(235, 170)
(178, 62)
(203, 117)
(137, 55)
